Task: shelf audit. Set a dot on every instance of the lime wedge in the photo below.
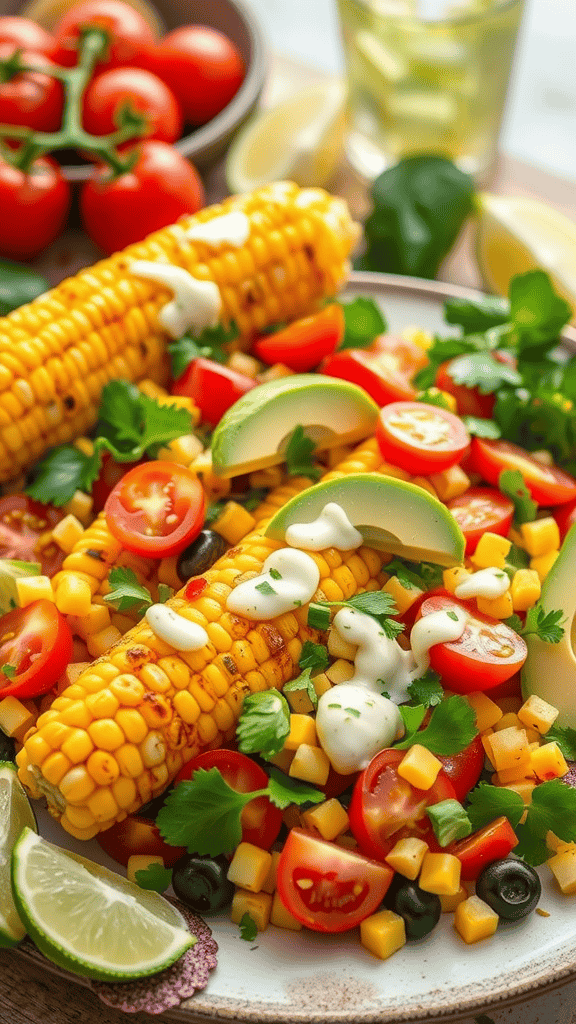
(516, 234)
(90, 920)
(15, 814)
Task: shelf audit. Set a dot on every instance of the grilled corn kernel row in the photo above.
(58, 352)
(120, 733)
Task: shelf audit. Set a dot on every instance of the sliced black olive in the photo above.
(200, 555)
(511, 887)
(7, 751)
(201, 883)
(420, 910)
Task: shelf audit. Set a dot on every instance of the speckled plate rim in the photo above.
(546, 974)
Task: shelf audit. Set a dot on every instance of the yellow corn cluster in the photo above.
(120, 733)
(58, 352)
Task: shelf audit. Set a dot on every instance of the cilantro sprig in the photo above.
(127, 594)
(450, 729)
(264, 723)
(204, 813)
(299, 455)
(313, 656)
(545, 625)
(553, 808)
(210, 344)
(376, 603)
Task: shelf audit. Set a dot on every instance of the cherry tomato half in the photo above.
(156, 509)
(480, 509)
(26, 35)
(24, 523)
(328, 888)
(487, 653)
(464, 769)
(213, 387)
(420, 438)
(565, 516)
(31, 98)
(35, 648)
(130, 36)
(493, 842)
(303, 344)
(136, 836)
(143, 92)
(385, 807)
(384, 370)
(548, 485)
(261, 820)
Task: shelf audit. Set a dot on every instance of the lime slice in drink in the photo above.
(90, 920)
(15, 813)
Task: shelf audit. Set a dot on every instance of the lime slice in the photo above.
(15, 813)
(516, 234)
(300, 139)
(90, 920)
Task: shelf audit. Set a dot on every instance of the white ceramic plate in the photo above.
(288, 976)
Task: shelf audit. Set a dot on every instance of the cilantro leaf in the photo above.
(299, 454)
(434, 396)
(60, 473)
(155, 877)
(546, 625)
(480, 370)
(303, 682)
(407, 577)
(364, 321)
(511, 483)
(209, 344)
(537, 312)
(264, 723)
(377, 603)
(515, 622)
(265, 588)
(203, 814)
(482, 427)
(8, 670)
(412, 717)
(283, 791)
(474, 315)
(427, 689)
(517, 558)
(126, 593)
(313, 656)
(565, 737)
(443, 349)
(248, 928)
(450, 729)
(486, 803)
(553, 808)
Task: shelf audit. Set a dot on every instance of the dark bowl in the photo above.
(204, 145)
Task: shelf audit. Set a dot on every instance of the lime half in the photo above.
(90, 920)
(15, 813)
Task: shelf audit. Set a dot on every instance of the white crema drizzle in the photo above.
(288, 579)
(332, 529)
(196, 304)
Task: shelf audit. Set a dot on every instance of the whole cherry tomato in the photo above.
(141, 90)
(160, 188)
(31, 98)
(130, 36)
(26, 35)
(34, 207)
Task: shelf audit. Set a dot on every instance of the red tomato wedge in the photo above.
(493, 842)
(326, 887)
(487, 653)
(24, 525)
(304, 343)
(156, 509)
(135, 835)
(385, 807)
(480, 509)
(261, 820)
(35, 648)
(548, 485)
(384, 370)
(214, 388)
(421, 438)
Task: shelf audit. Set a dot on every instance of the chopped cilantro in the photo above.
(264, 723)
(210, 344)
(248, 928)
(303, 682)
(9, 671)
(511, 483)
(299, 461)
(353, 711)
(265, 588)
(164, 593)
(275, 574)
(427, 689)
(319, 616)
(126, 594)
(363, 321)
(452, 615)
(450, 729)
(155, 877)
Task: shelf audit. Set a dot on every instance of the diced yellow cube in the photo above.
(139, 862)
(269, 885)
(544, 563)
(525, 589)
(383, 934)
(249, 867)
(234, 522)
(548, 762)
(419, 767)
(485, 739)
(523, 789)
(497, 607)
(563, 867)
(554, 843)
(537, 714)
(302, 730)
(321, 683)
(95, 620)
(299, 701)
(491, 551)
(450, 483)
(486, 711)
(440, 874)
(340, 648)
(257, 904)
(241, 362)
(80, 506)
(449, 903)
(16, 717)
(182, 450)
(453, 577)
(407, 855)
(388, 469)
(310, 764)
(424, 483)
(540, 536)
(74, 597)
(101, 642)
(269, 477)
(329, 818)
(340, 671)
(67, 532)
(508, 721)
(518, 774)
(281, 917)
(404, 597)
(475, 920)
(33, 588)
(283, 760)
(508, 748)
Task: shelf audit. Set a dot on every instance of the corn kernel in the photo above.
(491, 551)
(33, 588)
(543, 564)
(257, 904)
(537, 714)
(139, 862)
(302, 730)
(383, 933)
(440, 874)
(328, 818)
(541, 536)
(281, 917)
(419, 767)
(407, 856)
(74, 597)
(475, 920)
(310, 764)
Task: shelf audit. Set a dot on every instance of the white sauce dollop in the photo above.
(380, 663)
(196, 304)
(439, 627)
(229, 229)
(288, 579)
(490, 583)
(353, 724)
(179, 632)
(332, 529)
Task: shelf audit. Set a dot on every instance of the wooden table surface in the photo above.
(45, 998)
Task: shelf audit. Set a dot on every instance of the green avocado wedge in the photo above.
(255, 431)
(549, 671)
(400, 518)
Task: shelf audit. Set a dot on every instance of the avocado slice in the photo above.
(255, 431)
(392, 515)
(549, 671)
(10, 571)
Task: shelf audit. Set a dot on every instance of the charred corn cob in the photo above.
(58, 352)
(120, 733)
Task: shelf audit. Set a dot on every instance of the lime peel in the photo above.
(15, 813)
